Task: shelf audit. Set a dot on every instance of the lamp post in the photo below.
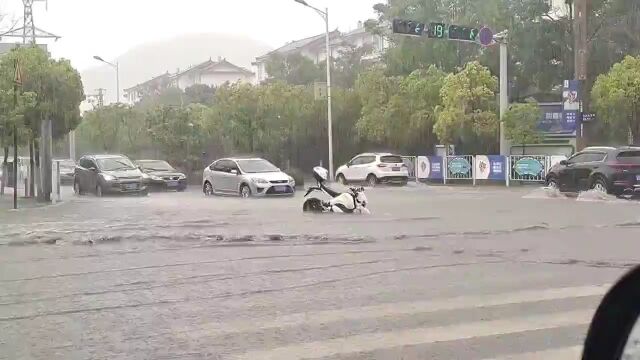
(503, 40)
(117, 67)
(325, 16)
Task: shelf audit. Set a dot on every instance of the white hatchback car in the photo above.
(374, 168)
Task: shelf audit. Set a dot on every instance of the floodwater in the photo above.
(183, 276)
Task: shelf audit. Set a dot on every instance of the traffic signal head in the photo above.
(408, 27)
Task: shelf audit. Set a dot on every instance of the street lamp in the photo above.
(502, 38)
(325, 17)
(117, 67)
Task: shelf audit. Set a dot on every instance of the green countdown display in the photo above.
(452, 32)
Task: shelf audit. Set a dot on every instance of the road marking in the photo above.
(568, 353)
(419, 336)
(390, 310)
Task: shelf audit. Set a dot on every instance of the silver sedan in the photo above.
(246, 177)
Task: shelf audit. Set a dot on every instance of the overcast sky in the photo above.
(111, 27)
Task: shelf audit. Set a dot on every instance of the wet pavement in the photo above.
(434, 272)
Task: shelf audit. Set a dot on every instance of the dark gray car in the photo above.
(108, 174)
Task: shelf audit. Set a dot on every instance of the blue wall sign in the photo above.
(430, 167)
(490, 167)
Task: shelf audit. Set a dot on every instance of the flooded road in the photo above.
(434, 272)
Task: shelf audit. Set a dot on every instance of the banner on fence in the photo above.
(460, 167)
(490, 167)
(429, 167)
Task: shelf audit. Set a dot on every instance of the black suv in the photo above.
(103, 174)
(607, 169)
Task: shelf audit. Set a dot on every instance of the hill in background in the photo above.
(148, 60)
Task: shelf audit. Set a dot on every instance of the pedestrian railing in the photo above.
(460, 167)
(520, 168)
(528, 168)
(411, 163)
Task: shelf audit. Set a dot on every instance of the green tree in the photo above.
(616, 97)
(400, 112)
(178, 132)
(199, 94)
(294, 69)
(468, 107)
(114, 128)
(521, 124)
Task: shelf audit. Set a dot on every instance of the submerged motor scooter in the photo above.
(352, 202)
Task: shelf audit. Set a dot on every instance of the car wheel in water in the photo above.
(552, 183)
(76, 188)
(600, 185)
(342, 180)
(208, 189)
(372, 180)
(99, 191)
(245, 191)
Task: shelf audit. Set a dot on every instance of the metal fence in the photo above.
(528, 168)
(412, 165)
(460, 167)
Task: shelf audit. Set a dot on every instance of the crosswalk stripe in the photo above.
(392, 309)
(429, 335)
(569, 353)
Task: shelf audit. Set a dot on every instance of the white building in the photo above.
(314, 48)
(211, 73)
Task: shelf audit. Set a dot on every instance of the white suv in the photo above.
(374, 168)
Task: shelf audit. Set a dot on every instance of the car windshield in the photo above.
(156, 165)
(116, 163)
(254, 166)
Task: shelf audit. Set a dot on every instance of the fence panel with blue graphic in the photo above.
(460, 167)
(528, 168)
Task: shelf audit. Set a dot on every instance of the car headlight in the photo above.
(145, 176)
(292, 181)
(106, 177)
(182, 177)
(260, 181)
(156, 178)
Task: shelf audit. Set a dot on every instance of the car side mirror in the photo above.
(349, 164)
(234, 172)
(564, 162)
(614, 332)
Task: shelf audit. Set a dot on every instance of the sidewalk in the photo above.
(6, 201)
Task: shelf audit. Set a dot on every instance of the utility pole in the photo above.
(29, 32)
(581, 53)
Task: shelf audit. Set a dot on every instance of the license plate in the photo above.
(280, 188)
(130, 186)
(396, 169)
(172, 183)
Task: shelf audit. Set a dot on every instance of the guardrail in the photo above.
(412, 165)
(521, 168)
(528, 168)
(460, 167)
